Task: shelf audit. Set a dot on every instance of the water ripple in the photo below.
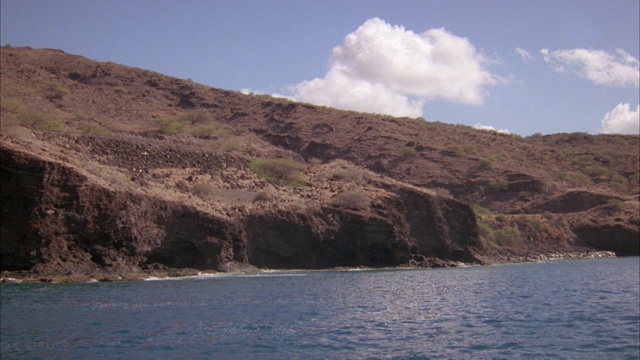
(581, 309)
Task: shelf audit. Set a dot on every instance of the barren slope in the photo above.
(112, 126)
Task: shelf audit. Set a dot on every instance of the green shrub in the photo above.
(409, 151)
(501, 157)
(352, 199)
(169, 125)
(498, 185)
(121, 90)
(486, 162)
(204, 131)
(204, 123)
(481, 211)
(575, 179)
(38, 120)
(9, 105)
(15, 113)
(537, 223)
(461, 149)
(279, 171)
(10, 109)
(52, 123)
(501, 218)
(596, 170)
(55, 91)
(506, 236)
(489, 161)
(199, 117)
(210, 131)
(486, 232)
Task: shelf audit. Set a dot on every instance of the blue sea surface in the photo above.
(564, 309)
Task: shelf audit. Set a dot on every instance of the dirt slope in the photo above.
(150, 139)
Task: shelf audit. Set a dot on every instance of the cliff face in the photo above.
(56, 221)
(55, 218)
(109, 171)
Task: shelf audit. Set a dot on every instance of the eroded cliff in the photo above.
(58, 221)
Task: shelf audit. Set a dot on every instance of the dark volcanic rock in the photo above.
(56, 221)
(333, 238)
(52, 215)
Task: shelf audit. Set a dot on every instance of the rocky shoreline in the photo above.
(167, 273)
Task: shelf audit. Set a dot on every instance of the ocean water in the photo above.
(564, 309)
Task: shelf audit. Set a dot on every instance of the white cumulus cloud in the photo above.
(387, 69)
(601, 67)
(622, 120)
(490, 128)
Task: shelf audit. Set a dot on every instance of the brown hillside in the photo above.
(134, 132)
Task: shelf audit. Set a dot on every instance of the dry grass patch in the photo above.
(285, 172)
(204, 190)
(352, 199)
(15, 113)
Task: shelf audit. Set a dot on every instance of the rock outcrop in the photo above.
(56, 221)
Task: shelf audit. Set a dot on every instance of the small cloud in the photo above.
(387, 69)
(601, 67)
(621, 120)
(524, 54)
(490, 128)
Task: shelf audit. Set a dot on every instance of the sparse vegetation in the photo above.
(619, 183)
(461, 149)
(537, 222)
(481, 211)
(263, 196)
(120, 90)
(505, 236)
(490, 161)
(574, 178)
(204, 190)
(197, 117)
(204, 131)
(498, 185)
(409, 151)
(352, 199)
(55, 91)
(95, 129)
(285, 172)
(15, 113)
(170, 125)
(199, 123)
(349, 174)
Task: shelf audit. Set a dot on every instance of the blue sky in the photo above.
(528, 67)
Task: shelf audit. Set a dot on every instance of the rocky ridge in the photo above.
(95, 187)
